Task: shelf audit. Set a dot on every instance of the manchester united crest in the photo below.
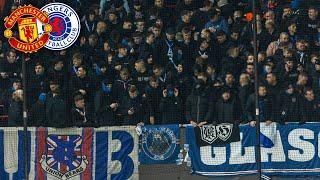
(28, 20)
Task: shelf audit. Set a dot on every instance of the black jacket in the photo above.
(136, 105)
(81, 117)
(265, 106)
(310, 110)
(37, 115)
(229, 111)
(171, 110)
(56, 111)
(289, 107)
(15, 113)
(199, 106)
(104, 115)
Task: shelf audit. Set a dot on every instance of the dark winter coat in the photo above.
(171, 110)
(265, 107)
(56, 111)
(15, 113)
(229, 111)
(104, 115)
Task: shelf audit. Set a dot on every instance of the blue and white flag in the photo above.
(159, 144)
(268, 135)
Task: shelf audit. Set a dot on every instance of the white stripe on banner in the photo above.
(32, 153)
(93, 156)
(11, 141)
(226, 173)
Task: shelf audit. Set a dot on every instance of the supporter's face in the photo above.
(12, 57)
(133, 94)
(312, 13)
(151, 39)
(80, 103)
(92, 41)
(154, 84)
(317, 66)
(158, 3)
(112, 17)
(243, 79)
(221, 39)
(261, 57)
(250, 69)
(234, 36)
(159, 22)
(81, 72)
(124, 76)
(269, 16)
(210, 70)
(103, 69)
(303, 79)
(309, 95)
(204, 34)
(290, 90)
(237, 15)
(250, 59)
(235, 52)
(262, 91)
(127, 25)
(268, 68)
(139, 66)
(123, 51)
(186, 36)
(101, 27)
(284, 38)
(17, 85)
(106, 46)
(140, 25)
(137, 7)
(201, 77)
(54, 87)
(271, 79)
(137, 40)
(170, 36)
(289, 64)
(204, 45)
(91, 17)
(229, 79)
(226, 96)
(76, 62)
(301, 46)
(58, 66)
(156, 32)
(185, 18)
(187, 1)
(293, 28)
(157, 72)
(180, 68)
(287, 54)
(39, 70)
(287, 11)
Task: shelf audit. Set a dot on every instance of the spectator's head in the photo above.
(287, 11)
(292, 28)
(170, 34)
(271, 79)
(140, 66)
(157, 70)
(262, 90)
(284, 37)
(11, 56)
(54, 86)
(16, 84)
(124, 74)
(180, 68)
(150, 38)
(210, 70)
(262, 56)
(301, 45)
(237, 15)
(127, 24)
(287, 53)
(159, 22)
(244, 79)
(17, 95)
(269, 25)
(91, 16)
(82, 72)
(140, 25)
(270, 15)
(317, 65)
(106, 46)
(103, 67)
(137, 37)
(314, 58)
(289, 89)
(205, 33)
(156, 29)
(137, 5)
(153, 82)
(234, 35)
(229, 79)
(77, 59)
(133, 91)
(93, 40)
(233, 51)
(158, 3)
(112, 16)
(213, 15)
(313, 13)
(268, 67)
(250, 69)
(122, 50)
(250, 58)
(202, 77)
(207, 5)
(58, 64)
(101, 27)
(187, 2)
(79, 101)
(221, 37)
(186, 34)
(308, 94)
(302, 79)
(204, 44)
(289, 62)
(39, 69)
(185, 16)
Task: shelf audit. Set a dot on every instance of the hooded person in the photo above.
(37, 116)
(106, 105)
(290, 102)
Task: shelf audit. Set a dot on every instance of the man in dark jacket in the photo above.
(310, 107)
(227, 108)
(10, 69)
(80, 115)
(37, 115)
(106, 105)
(171, 106)
(265, 107)
(153, 95)
(56, 107)
(199, 105)
(15, 109)
(132, 108)
(290, 103)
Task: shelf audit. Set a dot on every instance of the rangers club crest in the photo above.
(159, 143)
(64, 157)
(65, 26)
(29, 19)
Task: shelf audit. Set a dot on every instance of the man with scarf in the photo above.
(80, 113)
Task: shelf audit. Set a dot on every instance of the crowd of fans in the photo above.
(166, 61)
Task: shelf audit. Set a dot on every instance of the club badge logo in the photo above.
(29, 19)
(159, 143)
(65, 26)
(64, 158)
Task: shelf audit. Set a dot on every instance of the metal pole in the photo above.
(255, 53)
(25, 117)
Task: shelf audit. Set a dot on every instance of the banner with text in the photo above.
(294, 152)
(73, 153)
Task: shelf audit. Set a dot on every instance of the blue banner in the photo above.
(159, 144)
(294, 152)
(74, 153)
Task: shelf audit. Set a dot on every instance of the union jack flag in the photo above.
(64, 152)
